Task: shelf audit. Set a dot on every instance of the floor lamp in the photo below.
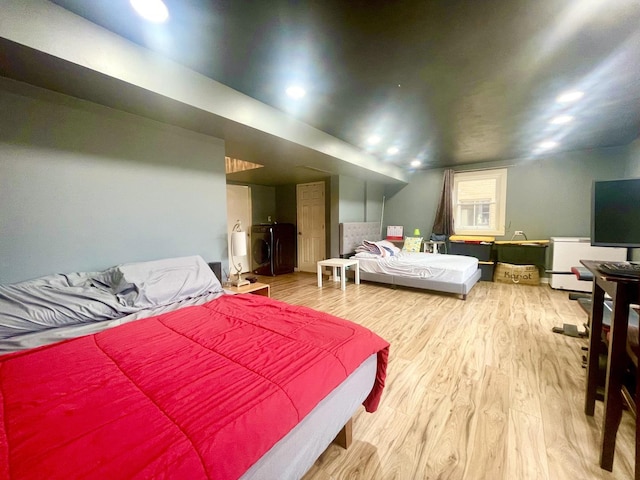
(238, 249)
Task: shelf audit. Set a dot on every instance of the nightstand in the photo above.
(256, 288)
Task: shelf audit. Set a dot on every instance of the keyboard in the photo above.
(620, 269)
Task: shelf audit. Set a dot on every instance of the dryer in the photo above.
(273, 248)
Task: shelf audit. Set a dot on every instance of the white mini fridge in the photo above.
(566, 252)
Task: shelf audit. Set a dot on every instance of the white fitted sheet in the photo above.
(442, 267)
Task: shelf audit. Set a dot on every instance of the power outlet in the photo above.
(519, 232)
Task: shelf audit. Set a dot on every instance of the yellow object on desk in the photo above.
(471, 238)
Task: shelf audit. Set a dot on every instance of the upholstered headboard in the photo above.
(352, 235)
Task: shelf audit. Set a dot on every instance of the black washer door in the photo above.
(261, 251)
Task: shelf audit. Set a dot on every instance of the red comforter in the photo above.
(202, 392)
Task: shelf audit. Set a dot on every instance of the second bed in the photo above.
(438, 272)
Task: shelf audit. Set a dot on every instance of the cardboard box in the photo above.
(517, 274)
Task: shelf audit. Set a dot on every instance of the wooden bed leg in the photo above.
(345, 436)
(464, 297)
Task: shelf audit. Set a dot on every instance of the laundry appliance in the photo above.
(273, 248)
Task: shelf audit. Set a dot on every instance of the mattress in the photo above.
(443, 268)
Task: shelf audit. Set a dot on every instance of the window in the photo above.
(479, 200)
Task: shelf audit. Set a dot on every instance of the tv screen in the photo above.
(615, 213)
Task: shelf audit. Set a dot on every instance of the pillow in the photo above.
(54, 301)
(77, 298)
(412, 244)
(161, 282)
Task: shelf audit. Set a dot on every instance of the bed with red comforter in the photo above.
(200, 392)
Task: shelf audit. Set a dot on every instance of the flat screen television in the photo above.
(615, 213)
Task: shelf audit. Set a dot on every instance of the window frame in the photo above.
(500, 176)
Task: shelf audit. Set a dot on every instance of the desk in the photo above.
(623, 291)
(342, 264)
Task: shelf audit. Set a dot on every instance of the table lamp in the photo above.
(238, 249)
(416, 232)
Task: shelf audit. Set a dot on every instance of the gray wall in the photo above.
(359, 200)
(263, 204)
(286, 211)
(633, 165)
(414, 206)
(374, 195)
(84, 187)
(545, 197)
(352, 199)
(552, 197)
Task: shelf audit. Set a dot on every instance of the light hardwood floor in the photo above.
(476, 389)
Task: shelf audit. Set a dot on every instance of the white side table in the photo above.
(341, 263)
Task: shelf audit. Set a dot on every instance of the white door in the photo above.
(239, 208)
(311, 231)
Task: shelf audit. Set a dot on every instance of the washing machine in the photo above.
(273, 248)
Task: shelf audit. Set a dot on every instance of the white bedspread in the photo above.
(446, 268)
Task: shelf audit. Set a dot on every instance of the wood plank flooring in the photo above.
(476, 389)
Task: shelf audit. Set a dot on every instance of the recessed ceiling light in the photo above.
(416, 163)
(373, 140)
(153, 10)
(561, 119)
(296, 92)
(392, 150)
(548, 145)
(571, 96)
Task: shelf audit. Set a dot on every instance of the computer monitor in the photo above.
(615, 213)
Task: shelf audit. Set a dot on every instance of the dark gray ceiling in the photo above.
(449, 82)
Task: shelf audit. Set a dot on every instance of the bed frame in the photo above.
(352, 234)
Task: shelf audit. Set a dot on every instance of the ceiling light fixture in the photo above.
(549, 144)
(296, 92)
(568, 97)
(153, 10)
(416, 163)
(392, 150)
(562, 119)
(373, 140)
